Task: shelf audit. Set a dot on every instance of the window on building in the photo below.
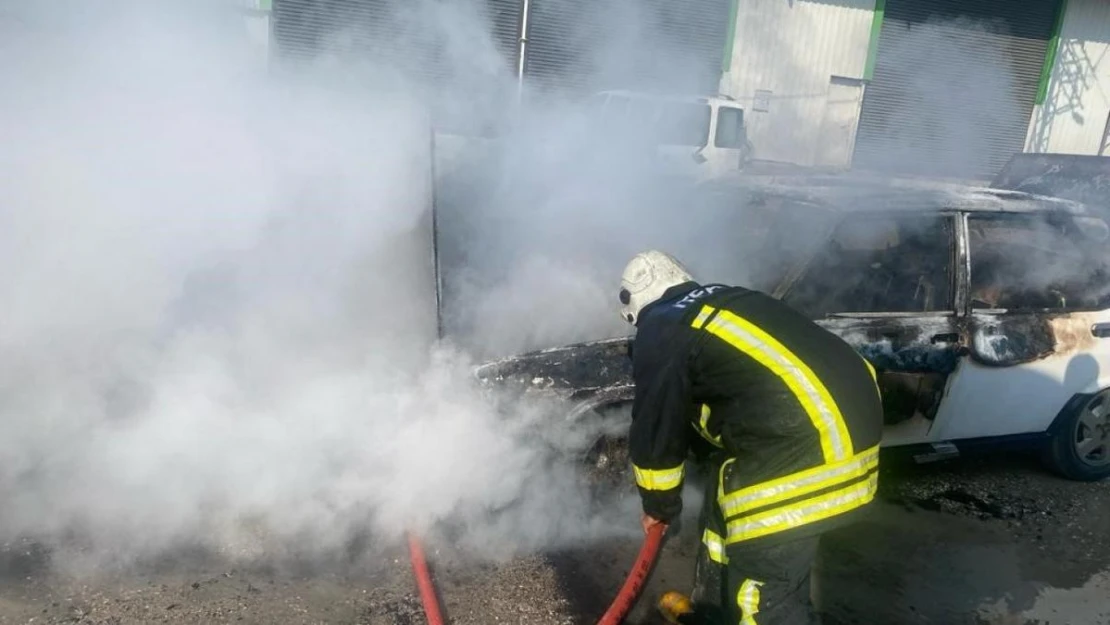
(1037, 262)
(879, 265)
(730, 128)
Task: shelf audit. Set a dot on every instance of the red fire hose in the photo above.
(424, 582)
(637, 577)
(618, 610)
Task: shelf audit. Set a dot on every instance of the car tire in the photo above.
(1080, 446)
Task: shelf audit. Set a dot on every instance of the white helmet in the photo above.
(646, 277)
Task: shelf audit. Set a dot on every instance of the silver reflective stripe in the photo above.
(819, 508)
(736, 503)
(788, 368)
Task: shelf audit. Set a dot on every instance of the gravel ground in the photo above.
(990, 540)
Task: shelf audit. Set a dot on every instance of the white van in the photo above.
(704, 136)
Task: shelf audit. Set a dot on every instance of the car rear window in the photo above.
(1037, 262)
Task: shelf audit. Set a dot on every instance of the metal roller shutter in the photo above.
(578, 46)
(954, 85)
(390, 33)
(349, 30)
(506, 17)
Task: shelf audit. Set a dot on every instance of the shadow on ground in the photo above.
(971, 541)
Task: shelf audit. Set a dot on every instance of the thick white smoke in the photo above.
(217, 311)
(218, 323)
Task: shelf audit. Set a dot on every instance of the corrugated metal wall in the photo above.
(580, 46)
(954, 85)
(792, 50)
(414, 37)
(1076, 108)
(573, 46)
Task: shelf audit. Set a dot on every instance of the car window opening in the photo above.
(730, 128)
(880, 266)
(1032, 263)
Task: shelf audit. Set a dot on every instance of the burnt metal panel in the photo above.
(1011, 339)
(912, 344)
(954, 85)
(579, 46)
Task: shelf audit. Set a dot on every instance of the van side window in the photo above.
(880, 265)
(730, 128)
(1034, 262)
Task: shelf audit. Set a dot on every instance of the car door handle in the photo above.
(1101, 330)
(945, 337)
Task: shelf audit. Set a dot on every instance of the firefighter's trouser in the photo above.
(750, 584)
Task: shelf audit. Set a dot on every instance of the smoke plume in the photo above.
(219, 312)
(219, 316)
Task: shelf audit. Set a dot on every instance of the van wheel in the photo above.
(1080, 449)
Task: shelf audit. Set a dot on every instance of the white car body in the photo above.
(955, 366)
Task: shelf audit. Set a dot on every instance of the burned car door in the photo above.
(885, 282)
(1037, 300)
(1030, 273)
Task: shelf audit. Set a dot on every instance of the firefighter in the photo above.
(792, 411)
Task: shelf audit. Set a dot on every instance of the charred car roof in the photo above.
(872, 193)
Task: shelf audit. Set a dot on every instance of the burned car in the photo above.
(985, 312)
(1081, 177)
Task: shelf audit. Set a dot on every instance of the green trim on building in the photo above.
(730, 36)
(873, 42)
(1050, 53)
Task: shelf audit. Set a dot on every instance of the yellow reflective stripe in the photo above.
(747, 599)
(715, 546)
(798, 484)
(659, 479)
(703, 429)
(804, 512)
(811, 393)
(871, 368)
(699, 321)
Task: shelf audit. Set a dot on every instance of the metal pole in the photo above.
(437, 271)
(523, 48)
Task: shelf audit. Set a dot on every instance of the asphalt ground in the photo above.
(991, 539)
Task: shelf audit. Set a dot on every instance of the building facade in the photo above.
(931, 87)
(1072, 115)
(947, 88)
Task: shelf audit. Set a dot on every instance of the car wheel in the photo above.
(1080, 448)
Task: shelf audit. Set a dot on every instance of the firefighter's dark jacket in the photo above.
(795, 409)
